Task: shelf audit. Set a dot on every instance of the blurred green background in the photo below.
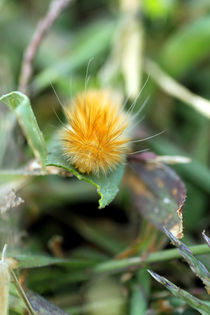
(60, 215)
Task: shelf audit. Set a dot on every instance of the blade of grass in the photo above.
(192, 301)
(196, 266)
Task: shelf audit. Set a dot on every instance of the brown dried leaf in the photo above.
(157, 192)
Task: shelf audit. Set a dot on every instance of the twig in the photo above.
(173, 88)
(55, 8)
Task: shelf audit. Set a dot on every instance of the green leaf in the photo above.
(20, 104)
(144, 280)
(99, 233)
(157, 9)
(192, 301)
(33, 261)
(138, 304)
(107, 186)
(48, 279)
(36, 260)
(6, 125)
(186, 47)
(140, 292)
(93, 40)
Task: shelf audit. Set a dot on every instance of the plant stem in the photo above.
(21, 293)
(119, 265)
(175, 89)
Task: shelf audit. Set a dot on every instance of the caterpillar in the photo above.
(96, 137)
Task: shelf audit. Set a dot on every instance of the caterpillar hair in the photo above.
(96, 138)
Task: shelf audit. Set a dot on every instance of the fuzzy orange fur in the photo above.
(95, 139)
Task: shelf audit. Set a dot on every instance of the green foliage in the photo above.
(197, 267)
(107, 186)
(158, 9)
(33, 261)
(58, 228)
(89, 43)
(201, 306)
(186, 47)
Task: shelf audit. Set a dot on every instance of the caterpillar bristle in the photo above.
(96, 139)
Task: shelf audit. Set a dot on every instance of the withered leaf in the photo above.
(41, 306)
(157, 192)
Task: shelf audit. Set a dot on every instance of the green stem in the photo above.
(118, 265)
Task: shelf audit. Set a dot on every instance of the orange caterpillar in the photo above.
(96, 138)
